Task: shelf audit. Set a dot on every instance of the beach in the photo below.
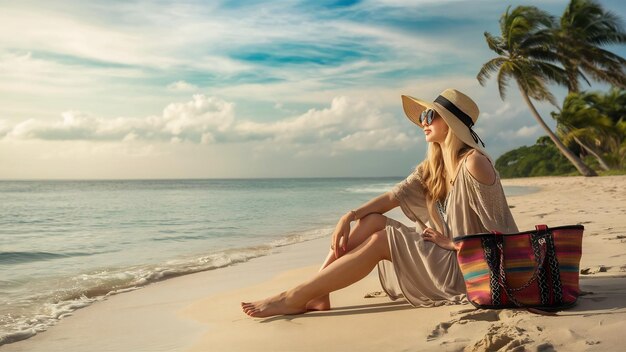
(200, 311)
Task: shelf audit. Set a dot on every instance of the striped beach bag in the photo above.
(532, 269)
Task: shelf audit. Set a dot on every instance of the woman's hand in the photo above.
(339, 244)
(437, 238)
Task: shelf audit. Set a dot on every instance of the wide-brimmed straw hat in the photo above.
(457, 109)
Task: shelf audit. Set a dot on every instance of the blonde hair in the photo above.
(439, 168)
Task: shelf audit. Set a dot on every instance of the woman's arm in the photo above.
(379, 205)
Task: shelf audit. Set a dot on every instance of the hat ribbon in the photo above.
(467, 121)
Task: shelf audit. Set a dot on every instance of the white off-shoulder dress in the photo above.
(424, 273)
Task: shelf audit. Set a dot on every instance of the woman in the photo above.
(456, 191)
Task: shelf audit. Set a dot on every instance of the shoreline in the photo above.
(135, 324)
(200, 311)
(142, 276)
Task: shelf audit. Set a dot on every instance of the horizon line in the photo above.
(192, 178)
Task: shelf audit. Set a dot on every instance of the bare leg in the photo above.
(359, 233)
(344, 271)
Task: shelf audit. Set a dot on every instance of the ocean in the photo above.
(67, 244)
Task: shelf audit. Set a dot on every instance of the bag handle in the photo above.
(542, 257)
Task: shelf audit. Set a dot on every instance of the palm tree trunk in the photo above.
(589, 150)
(578, 164)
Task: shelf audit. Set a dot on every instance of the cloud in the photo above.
(222, 40)
(69, 34)
(502, 112)
(105, 56)
(380, 139)
(202, 114)
(523, 132)
(347, 124)
(527, 131)
(181, 86)
(191, 121)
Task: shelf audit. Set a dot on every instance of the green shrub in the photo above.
(541, 159)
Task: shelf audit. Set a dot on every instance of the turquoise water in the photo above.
(66, 244)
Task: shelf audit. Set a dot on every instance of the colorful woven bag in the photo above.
(532, 269)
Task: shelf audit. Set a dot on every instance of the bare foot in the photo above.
(319, 303)
(272, 306)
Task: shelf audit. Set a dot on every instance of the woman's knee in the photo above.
(365, 228)
(373, 221)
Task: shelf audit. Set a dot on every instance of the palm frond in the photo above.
(521, 22)
(539, 39)
(602, 57)
(588, 21)
(552, 73)
(530, 79)
(543, 54)
(495, 43)
(488, 68)
(503, 80)
(585, 27)
(613, 77)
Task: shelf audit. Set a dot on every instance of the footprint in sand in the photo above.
(480, 315)
(594, 270)
(375, 294)
(502, 338)
(502, 334)
(618, 237)
(440, 330)
(465, 316)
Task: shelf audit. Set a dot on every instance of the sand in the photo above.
(201, 312)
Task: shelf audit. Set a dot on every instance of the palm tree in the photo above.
(583, 29)
(613, 105)
(525, 55)
(581, 122)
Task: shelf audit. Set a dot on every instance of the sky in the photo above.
(243, 89)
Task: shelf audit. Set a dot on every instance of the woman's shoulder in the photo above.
(480, 168)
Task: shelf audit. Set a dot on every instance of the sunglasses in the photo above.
(427, 116)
